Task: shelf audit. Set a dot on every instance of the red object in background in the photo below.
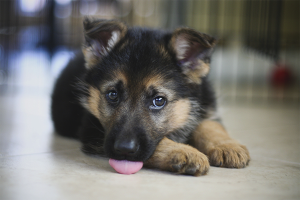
(281, 75)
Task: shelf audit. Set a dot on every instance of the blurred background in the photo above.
(256, 60)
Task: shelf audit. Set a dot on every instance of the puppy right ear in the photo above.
(193, 50)
(100, 38)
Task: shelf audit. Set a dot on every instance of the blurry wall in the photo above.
(255, 37)
(223, 18)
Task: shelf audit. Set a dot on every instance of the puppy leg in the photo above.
(212, 139)
(177, 157)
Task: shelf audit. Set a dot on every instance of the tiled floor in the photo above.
(37, 164)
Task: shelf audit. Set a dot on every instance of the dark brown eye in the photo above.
(158, 103)
(112, 96)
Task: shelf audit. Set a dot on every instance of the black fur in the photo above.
(67, 113)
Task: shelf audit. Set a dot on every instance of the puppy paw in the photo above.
(178, 158)
(188, 161)
(231, 155)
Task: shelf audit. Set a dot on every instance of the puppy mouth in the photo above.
(127, 160)
(125, 166)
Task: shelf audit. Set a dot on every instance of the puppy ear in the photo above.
(100, 38)
(193, 50)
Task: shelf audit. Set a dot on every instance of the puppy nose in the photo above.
(126, 146)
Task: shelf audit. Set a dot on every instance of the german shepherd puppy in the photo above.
(139, 94)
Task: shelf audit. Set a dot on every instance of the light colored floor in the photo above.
(37, 164)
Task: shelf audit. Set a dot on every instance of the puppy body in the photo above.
(142, 95)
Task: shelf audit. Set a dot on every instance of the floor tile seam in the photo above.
(264, 128)
(280, 160)
(253, 108)
(41, 153)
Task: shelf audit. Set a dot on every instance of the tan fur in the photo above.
(160, 84)
(123, 45)
(120, 76)
(180, 113)
(117, 76)
(106, 114)
(98, 107)
(154, 81)
(90, 59)
(94, 102)
(163, 51)
(212, 139)
(180, 158)
(195, 75)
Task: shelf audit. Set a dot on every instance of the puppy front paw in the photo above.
(178, 158)
(231, 155)
(188, 161)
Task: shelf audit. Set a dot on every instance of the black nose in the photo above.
(126, 146)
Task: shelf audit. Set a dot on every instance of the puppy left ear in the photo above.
(101, 36)
(193, 50)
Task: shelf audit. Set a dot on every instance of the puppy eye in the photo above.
(158, 103)
(112, 96)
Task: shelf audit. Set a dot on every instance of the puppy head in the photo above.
(139, 84)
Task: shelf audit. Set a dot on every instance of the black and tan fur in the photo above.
(142, 95)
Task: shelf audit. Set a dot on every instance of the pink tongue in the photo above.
(125, 166)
